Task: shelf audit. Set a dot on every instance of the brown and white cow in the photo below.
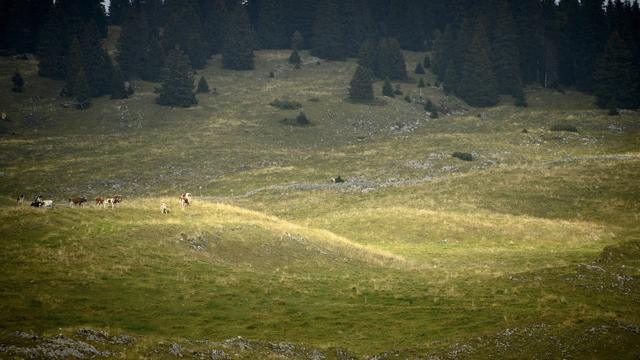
(20, 200)
(113, 201)
(77, 201)
(164, 208)
(185, 200)
(100, 201)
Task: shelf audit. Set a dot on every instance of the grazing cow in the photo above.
(100, 201)
(77, 201)
(112, 201)
(185, 200)
(37, 202)
(164, 208)
(47, 204)
(337, 179)
(20, 200)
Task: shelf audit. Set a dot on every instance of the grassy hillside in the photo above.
(529, 251)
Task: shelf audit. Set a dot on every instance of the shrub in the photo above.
(428, 106)
(18, 82)
(407, 98)
(421, 83)
(271, 74)
(426, 63)
(203, 86)
(434, 113)
(564, 127)
(463, 156)
(294, 58)
(613, 109)
(397, 90)
(286, 104)
(302, 119)
(419, 69)
(387, 89)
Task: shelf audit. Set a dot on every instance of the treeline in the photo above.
(479, 49)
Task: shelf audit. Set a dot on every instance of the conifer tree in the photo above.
(528, 15)
(592, 37)
(451, 78)
(81, 90)
(426, 63)
(75, 66)
(443, 52)
(419, 69)
(387, 89)
(421, 83)
(132, 42)
(568, 41)
(328, 41)
(118, 10)
(153, 60)
(272, 33)
(118, 90)
(297, 41)
(18, 82)
(294, 58)
(177, 82)
(96, 62)
(358, 25)
(367, 55)
(505, 54)
(615, 76)
(406, 23)
(361, 86)
(203, 86)
(183, 29)
(390, 61)
(238, 42)
(477, 83)
(52, 47)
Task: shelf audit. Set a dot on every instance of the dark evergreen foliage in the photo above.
(153, 60)
(272, 34)
(133, 39)
(419, 69)
(426, 63)
(358, 25)
(406, 23)
(361, 86)
(81, 91)
(390, 60)
(183, 29)
(18, 82)
(118, 10)
(387, 88)
(238, 42)
(52, 47)
(367, 55)
(96, 62)
(616, 77)
(328, 41)
(203, 86)
(118, 90)
(213, 15)
(75, 66)
(477, 82)
(177, 81)
(297, 40)
(505, 52)
(421, 83)
(294, 58)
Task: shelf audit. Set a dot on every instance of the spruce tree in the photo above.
(294, 58)
(328, 41)
(75, 66)
(96, 61)
(153, 60)
(133, 39)
(592, 38)
(214, 13)
(367, 55)
(451, 78)
(477, 83)
(406, 23)
(358, 25)
(271, 32)
(81, 88)
(118, 10)
(18, 82)
(203, 86)
(361, 85)
(387, 88)
(297, 41)
(426, 63)
(419, 69)
(505, 54)
(443, 52)
(118, 90)
(390, 60)
(238, 42)
(528, 15)
(421, 83)
(177, 83)
(616, 76)
(183, 29)
(52, 47)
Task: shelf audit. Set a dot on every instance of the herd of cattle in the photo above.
(185, 200)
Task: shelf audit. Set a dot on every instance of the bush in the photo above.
(387, 89)
(564, 127)
(294, 58)
(428, 106)
(203, 86)
(463, 156)
(426, 63)
(18, 82)
(302, 119)
(397, 90)
(421, 83)
(407, 98)
(286, 104)
(613, 109)
(419, 69)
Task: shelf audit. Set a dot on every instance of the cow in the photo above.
(37, 201)
(164, 208)
(47, 204)
(112, 201)
(185, 200)
(20, 200)
(77, 201)
(100, 201)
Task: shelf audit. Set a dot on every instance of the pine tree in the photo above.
(361, 85)
(153, 60)
(96, 62)
(451, 78)
(421, 83)
(118, 10)
(443, 52)
(390, 61)
(592, 37)
(426, 63)
(477, 83)
(183, 29)
(419, 69)
(118, 90)
(77, 13)
(18, 82)
(203, 86)
(294, 58)
(297, 41)
(387, 89)
(506, 55)
(358, 25)
(328, 41)
(615, 76)
(367, 55)
(568, 41)
(238, 42)
(406, 23)
(177, 82)
(271, 32)
(528, 15)
(75, 66)
(81, 88)
(52, 47)
(133, 39)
